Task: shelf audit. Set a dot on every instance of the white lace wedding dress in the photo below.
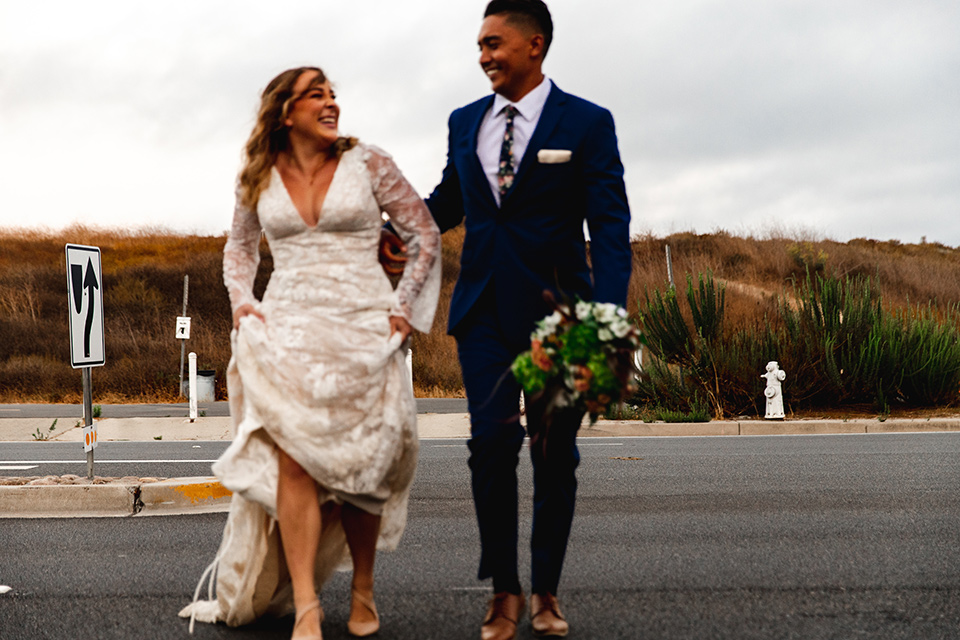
(321, 378)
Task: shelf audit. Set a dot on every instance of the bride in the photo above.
(324, 419)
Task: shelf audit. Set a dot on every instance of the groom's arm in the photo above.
(445, 204)
(446, 201)
(608, 214)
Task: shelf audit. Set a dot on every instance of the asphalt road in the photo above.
(749, 537)
(111, 459)
(182, 409)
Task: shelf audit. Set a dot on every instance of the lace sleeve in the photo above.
(241, 256)
(419, 288)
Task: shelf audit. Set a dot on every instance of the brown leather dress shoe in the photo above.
(545, 616)
(500, 622)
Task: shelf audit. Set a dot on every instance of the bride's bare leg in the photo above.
(299, 516)
(362, 530)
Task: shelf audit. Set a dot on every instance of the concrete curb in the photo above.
(627, 428)
(67, 501)
(197, 495)
(630, 429)
(813, 427)
(167, 497)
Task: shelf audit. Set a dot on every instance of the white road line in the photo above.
(4, 588)
(527, 444)
(97, 461)
(17, 467)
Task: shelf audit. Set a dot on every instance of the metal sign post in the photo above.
(89, 429)
(183, 331)
(85, 318)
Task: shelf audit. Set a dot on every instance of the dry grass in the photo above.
(757, 271)
(143, 280)
(436, 369)
(143, 275)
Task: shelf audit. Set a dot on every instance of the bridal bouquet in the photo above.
(580, 357)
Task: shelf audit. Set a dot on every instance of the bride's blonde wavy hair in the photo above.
(270, 136)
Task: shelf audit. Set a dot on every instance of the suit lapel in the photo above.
(473, 163)
(476, 118)
(549, 119)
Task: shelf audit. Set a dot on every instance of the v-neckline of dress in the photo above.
(323, 204)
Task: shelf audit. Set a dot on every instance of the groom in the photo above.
(526, 167)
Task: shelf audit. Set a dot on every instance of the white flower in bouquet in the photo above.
(548, 326)
(620, 327)
(584, 310)
(606, 312)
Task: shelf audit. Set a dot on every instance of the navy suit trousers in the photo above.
(493, 396)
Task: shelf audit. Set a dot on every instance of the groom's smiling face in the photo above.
(510, 57)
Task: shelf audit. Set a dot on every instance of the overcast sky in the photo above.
(824, 118)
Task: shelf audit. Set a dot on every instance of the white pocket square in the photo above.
(553, 156)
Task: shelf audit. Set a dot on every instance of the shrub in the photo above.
(695, 348)
(834, 337)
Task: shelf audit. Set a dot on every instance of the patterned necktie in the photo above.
(505, 171)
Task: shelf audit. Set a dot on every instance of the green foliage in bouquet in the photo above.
(581, 357)
(531, 377)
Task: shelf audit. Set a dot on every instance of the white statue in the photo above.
(774, 395)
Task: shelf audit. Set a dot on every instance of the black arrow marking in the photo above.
(89, 283)
(76, 277)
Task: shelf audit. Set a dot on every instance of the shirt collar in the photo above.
(530, 105)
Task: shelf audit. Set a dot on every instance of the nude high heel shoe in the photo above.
(315, 605)
(364, 629)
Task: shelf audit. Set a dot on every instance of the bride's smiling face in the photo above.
(314, 113)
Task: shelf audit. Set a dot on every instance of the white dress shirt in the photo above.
(494, 124)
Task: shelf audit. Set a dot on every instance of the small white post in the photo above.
(669, 269)
(193, 386)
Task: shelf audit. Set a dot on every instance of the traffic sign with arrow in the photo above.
(84, 285)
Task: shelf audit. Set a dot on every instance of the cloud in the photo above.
(838, 116)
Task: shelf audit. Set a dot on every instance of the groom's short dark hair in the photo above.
(532, 14)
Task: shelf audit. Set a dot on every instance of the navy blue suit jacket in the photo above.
(534, 240)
